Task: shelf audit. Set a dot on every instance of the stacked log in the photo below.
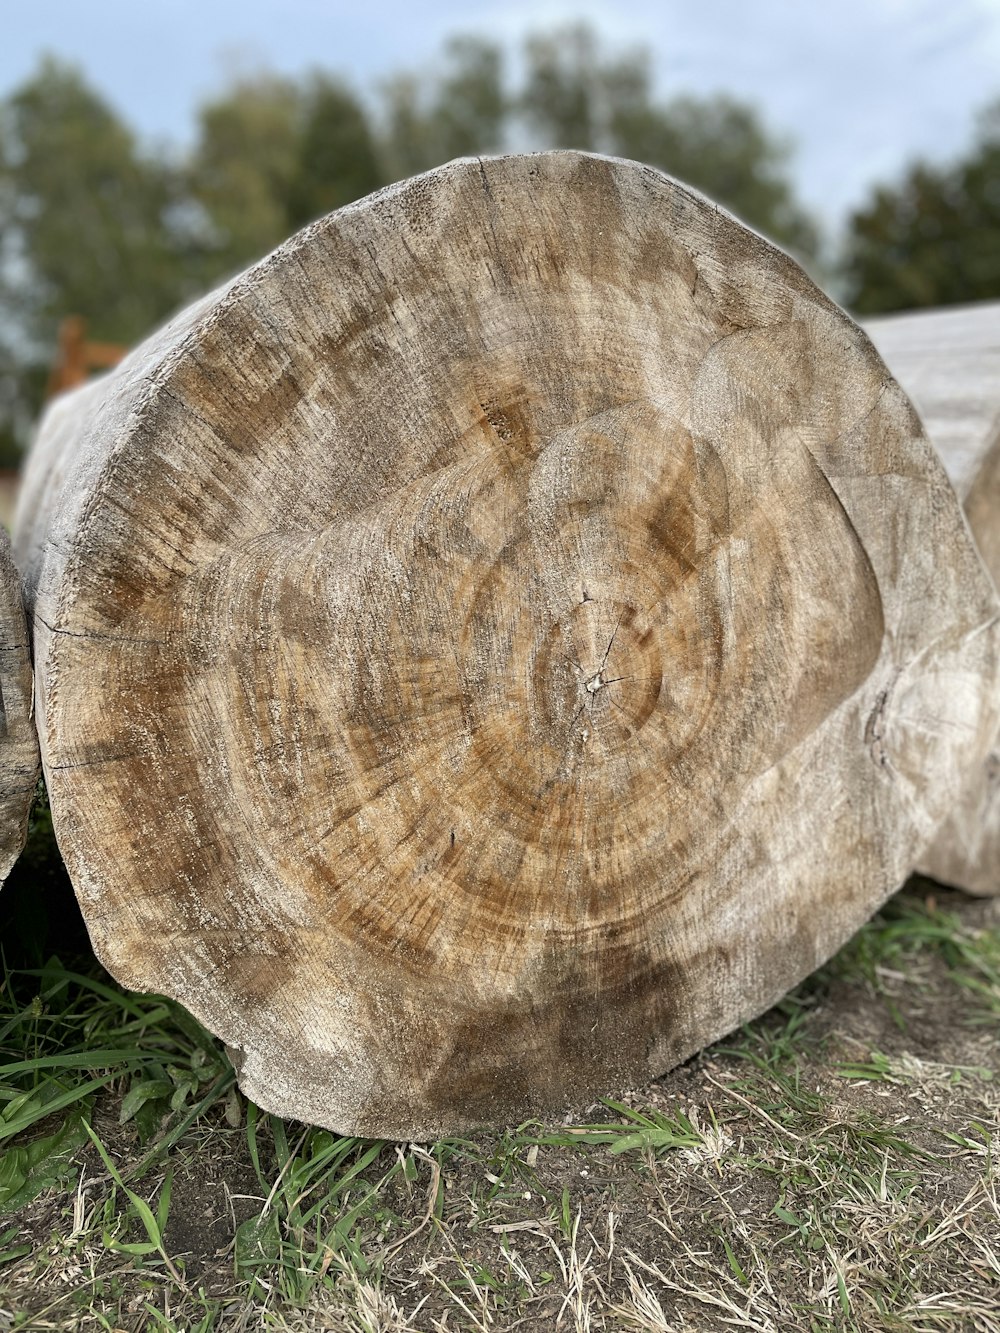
(19, 763)
(496, 645)
(948, 361)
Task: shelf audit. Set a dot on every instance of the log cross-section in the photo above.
(497, 644)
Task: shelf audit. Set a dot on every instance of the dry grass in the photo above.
(831, 1167)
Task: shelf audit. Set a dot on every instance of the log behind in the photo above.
(19, 765)
(948, 361)
(497, 644)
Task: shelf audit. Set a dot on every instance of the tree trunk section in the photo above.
(19, 765)
(948, 361)
(497, 645)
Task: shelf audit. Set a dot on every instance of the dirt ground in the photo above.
(832, 1166)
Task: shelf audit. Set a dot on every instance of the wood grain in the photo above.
(497, 644)
(948, 361)
(19, 763)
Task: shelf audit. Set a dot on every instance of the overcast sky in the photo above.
(862, 86)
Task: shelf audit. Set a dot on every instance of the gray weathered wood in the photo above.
(19, 765)
(497, 644)
(948, 361)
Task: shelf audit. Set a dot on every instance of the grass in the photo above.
(832, 1166)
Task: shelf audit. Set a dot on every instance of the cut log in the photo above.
(496, 645)
(19, 765)
(948, 361)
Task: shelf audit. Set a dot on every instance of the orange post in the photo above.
(76, 357)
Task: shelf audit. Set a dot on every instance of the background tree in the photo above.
(92, 225)
(576, 97)
(273, 154)
(337, 158)
(463, 110)
(88, 216)
(720, 146)
(244, 162)
(562, 94)
(931, 239)
(89, 226)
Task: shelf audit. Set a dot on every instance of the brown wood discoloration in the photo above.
(457, 642)
(948, 361)
(19, 764)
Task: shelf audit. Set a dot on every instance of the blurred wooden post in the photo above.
(76, 357)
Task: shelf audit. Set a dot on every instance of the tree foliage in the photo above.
(462, 110)
(243, 166)
(273, 154)
(337, 159)
(564, 88)
(91, 224)
(720, 146)
(931, 239)
(573, 94)
(87, 217)
(88, 225)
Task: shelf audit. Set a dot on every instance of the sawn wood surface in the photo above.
(497, 644)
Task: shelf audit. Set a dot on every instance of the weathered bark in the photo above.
(497, 644)
(19, 766)
(948, 361)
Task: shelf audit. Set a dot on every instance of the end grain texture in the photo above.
(497, 644)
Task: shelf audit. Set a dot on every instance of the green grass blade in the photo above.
(20, 1123)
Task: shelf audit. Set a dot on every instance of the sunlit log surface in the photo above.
(19, 767)
(948, 361)
(496, 645)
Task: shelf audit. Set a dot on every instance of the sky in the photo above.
(862, 87)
